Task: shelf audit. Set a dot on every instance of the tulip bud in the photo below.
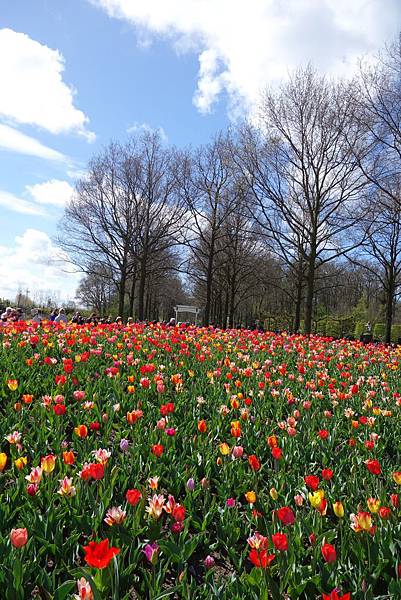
(190, 485)
(338, 509)
(19, 537)
(273, 493)
(48, 463)
(124, 445)
(32, 489)
(237, 451)
(3, 461)
(208, 562)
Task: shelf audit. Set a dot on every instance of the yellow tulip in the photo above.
(250, 497)
(20, 462)
(316, 498)
(3, 461)
(12, 384)
(373, 505)
(273, 493)
(48, 463)
(224, 449)
(397, 477)
(338, 509)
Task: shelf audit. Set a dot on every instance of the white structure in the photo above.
(181, 308)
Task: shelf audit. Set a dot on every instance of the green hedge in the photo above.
(395, 333)
(359, 329)
(379, 331)
(333, 328)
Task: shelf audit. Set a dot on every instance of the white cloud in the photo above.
(76, 173)
(55, 191)
(14, 203)
(145, 127)
(32, 88)
(244, 45)
(36, 263)
(15, 141)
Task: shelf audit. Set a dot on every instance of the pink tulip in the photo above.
(19, 537)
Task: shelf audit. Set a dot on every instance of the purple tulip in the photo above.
(190, 485)
(208, 562)
(151, 551)
(124, 445)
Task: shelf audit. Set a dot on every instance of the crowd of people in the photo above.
(58, 315)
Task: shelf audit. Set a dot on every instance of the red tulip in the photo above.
(157, 450)
(335, 595)
(373, 466)
(329, 553)
(260, 558)
(312, 482)
(280, 541)
(286, 515)
(99, 555)
(327, 474)
(277, 453)
(254, 462)
(133, 496)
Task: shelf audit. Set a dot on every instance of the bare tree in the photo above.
(381, 250)
(208, 186)
(377, 97)
(99, 226)
(159, 208)
(97, 290)
(305, 179)
(123, 212)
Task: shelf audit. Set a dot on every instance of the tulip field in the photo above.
(145, 462)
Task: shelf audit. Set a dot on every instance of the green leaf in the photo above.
(64, 589)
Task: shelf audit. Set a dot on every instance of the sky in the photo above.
(76, 74)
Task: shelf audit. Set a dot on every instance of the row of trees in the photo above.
(274, 216)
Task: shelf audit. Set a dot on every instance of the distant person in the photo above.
(171, 323)
(119, 321)
(36, 317)
(7, 314)
(130, 321)
(53, 314)
(61, 317)
(19, 314)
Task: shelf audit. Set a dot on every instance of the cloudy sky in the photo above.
(75, 74)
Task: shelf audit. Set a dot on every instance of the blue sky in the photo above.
(75, 74)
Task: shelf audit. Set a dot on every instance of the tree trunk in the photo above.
(232, 302)
(141, 291)
(209, 283)
(226, 317)
(310, 286)
(298, 306)
(121, 295)
(132, 296)
(389, 308)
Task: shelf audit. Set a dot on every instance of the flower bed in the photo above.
(145, 462)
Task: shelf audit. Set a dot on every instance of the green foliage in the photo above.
(360, 327)
(379, 331)
(360, 311)
(333, 328)
(395, 333)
